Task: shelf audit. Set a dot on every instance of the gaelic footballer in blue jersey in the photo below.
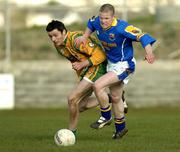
(117, 40)
(116, 36)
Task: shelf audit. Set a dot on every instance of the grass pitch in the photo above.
(32, 130)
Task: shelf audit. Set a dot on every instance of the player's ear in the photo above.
(64, 32)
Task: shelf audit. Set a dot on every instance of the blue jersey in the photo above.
(117, 40)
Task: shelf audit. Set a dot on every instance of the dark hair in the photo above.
(107, 8)
(55, 24)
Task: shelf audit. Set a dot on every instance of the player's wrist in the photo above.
(84, 37)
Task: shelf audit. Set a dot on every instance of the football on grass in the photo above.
(64, 137)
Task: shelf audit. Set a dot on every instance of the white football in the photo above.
(64, 137)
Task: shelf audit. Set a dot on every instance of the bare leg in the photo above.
(78, 93)
(88, 103)
(100, 86)
(111, 81)
(117, 103)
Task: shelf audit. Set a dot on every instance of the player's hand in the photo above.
(150, 58)
(77, 66)
(80, 65)
(79, 40)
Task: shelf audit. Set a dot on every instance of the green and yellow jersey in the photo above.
(92, 51)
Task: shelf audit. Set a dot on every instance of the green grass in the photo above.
(32, 130)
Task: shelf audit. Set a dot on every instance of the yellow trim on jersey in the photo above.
(133, 30)
(114, 23)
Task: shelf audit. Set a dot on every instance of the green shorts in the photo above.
(92, 73)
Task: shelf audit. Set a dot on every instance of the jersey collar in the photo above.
(114, 23)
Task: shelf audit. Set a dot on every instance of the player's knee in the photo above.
(97, 87)
(115, 98)
(72, 100)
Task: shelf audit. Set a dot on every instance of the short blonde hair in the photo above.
(107, 8)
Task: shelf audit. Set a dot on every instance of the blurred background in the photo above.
(32, 74)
